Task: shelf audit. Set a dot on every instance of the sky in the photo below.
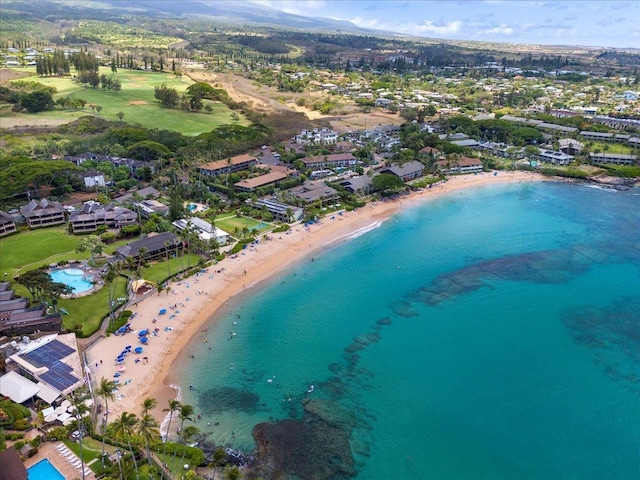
(603, 23)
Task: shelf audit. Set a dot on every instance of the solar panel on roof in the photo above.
(59, 380)
(48, 354)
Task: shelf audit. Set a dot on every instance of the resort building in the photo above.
(47, 367)
(149, 207)
(322, 136)
(310, 192)
(614, 158)
(463, 165)
(405, 172)
(92, 215)
(252, 184)
(151, 247)
(570, 146)
(17, 317)
(7, 224)
(281, 211)
(231, 165)
(203, 229)
(553, 157)
(336, 160)
(43, 213)
(144, 194)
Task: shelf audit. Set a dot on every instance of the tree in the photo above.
(148, 429)
(92, 244)
(123, 429)
(174, 405)
(387, 183)
(35, 281)
(37, 101)
(184, 413)
(79, 409)
(111, 279)
(105, 390)
(120, 115)
(186, 435)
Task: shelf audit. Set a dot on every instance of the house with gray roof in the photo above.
(43, 213)
(18, 317)
(92, 215)
(310, 192)
(406, 171)
(158, 245)
(614, 158)
(7, 224)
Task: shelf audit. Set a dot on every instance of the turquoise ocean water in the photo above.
(492, 333)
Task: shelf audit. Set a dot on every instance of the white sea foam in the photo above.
(358, 233)
(165, 422)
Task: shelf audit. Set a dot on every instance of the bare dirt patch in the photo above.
(23, 122)
(268, 100)
(8, 74)
(138, 102)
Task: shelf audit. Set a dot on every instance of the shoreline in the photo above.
(199, 298)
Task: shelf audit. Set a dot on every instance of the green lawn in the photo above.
(606, 147)
(31, 249)
(159, 272)
(136, 100)
(229, 223)
(90, 309)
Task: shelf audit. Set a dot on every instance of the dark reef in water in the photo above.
(214, 401)
(613, 336)
(550, 267)
(315, 447)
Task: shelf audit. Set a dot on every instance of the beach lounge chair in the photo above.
(87, 472)
(77, 464)
(61, 446)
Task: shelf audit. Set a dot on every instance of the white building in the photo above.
(204, 229)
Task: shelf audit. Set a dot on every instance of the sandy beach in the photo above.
(193, 301)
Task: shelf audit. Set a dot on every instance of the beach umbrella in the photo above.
(51, 417)
(163, 311)
(122, 368)
(127, 348)
(138, 350)
(144, 340)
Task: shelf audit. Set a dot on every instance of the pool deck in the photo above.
(48, 450)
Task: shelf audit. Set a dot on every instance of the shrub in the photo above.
(21, 424)
(108, 237)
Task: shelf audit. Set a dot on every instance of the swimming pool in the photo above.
(44, 470)
(72, 277)
(192, 207)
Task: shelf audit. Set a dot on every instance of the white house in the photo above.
(204, 229)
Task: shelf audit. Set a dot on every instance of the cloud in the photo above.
(295, 7)
(441, 28)
(499, 30)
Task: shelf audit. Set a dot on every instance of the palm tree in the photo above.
(105, 390)
(123, 429)
(111, 278)
(186, 435)
(173, 406)
(184, 413)
(148, 429)
(79, 410)
(148, 404)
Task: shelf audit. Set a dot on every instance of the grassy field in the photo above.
(90, 309)
(606, 147)
(136, 100)
(31, 249)
(159, 272)
(229, 223)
